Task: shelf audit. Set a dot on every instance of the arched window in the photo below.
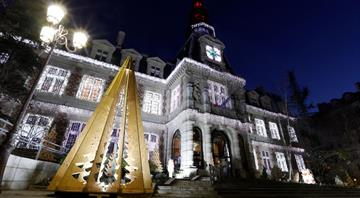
(197, 148)
(176, 149)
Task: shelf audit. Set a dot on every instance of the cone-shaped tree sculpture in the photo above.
(93, 165)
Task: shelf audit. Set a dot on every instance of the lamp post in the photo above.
(53, 35)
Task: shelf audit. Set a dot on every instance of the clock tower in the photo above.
(202, 44)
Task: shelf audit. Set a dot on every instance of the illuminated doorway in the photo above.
(220, 149)
(176, 150)
(197, 148)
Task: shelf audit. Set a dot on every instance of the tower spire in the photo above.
(198, 22)
(199, 12)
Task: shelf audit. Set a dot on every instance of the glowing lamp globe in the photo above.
(80, 39)
(47, 34)
(55, 14)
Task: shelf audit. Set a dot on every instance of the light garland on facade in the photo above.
(178, 68)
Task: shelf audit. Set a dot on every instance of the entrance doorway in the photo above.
(176, 150)
(221, 149)
(197, 148)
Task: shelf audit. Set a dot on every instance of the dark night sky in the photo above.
(319, 39)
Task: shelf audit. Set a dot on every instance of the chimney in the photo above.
(120, 39)
(357, 85)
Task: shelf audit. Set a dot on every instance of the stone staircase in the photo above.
(259, 188)
(202, 188)
(187, 188)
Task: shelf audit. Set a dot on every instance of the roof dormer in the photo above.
(266, 102)
(155, 67)
(102, 50)
(253, 98)
(135, 55)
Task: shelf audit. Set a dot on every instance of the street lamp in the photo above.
(53, 34)
(56, 34)
(55, 13)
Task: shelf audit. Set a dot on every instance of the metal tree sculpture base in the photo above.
(93, 165)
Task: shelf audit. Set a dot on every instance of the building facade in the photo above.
(195, 111)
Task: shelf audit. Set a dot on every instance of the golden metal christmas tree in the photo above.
(93, 165)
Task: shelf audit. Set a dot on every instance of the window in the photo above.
(274, 130)
(74, 130)
(266, 102)
(251, 128)
(253, 100)
(4, 57)
(101, 55)
(175, 98)
(300, 162)
(151, 140)
(255, 159)
(33, 130)
(266, 159)
(213, 53)
(260, 127)
(281, 161)
(53, 80)
(152, 103)
(146, 137)
(91, 88)
(155, 71)
(292, 134)
(219, 95)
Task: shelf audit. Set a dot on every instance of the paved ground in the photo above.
(49, 194)
(25, 193)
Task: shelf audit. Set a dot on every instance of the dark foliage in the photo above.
(20, 26)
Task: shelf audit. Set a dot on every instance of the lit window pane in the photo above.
(292, 134)
(260, 127)
(175, 98)
(274, 130)
(218, 95)
(152, 103)
(281, 161)
(33, 130)
(73, 132)
(53, 80)
(4, 57)
(91, 88)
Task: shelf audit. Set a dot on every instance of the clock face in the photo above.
(213, 53)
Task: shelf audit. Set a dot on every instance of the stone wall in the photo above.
(21, 172)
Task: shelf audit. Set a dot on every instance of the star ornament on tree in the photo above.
(213, 53)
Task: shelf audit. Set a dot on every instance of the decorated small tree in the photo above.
(155, 160)
(50, 137)
(276, 173)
